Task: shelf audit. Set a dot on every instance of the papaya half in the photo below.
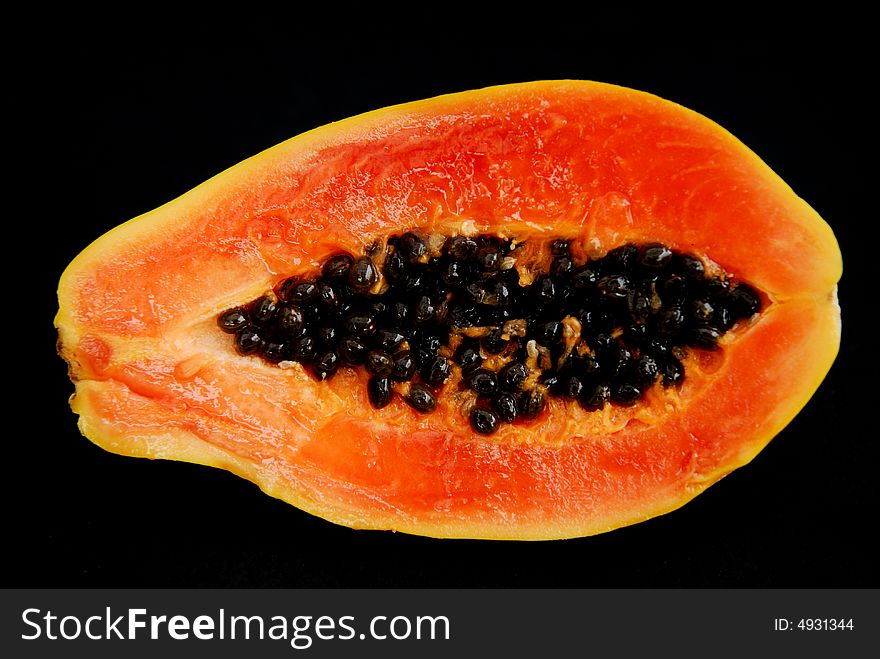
(582, 169)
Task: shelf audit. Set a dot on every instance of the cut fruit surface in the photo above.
(147, 313)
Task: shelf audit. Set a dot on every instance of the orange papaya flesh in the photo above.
(156, 378)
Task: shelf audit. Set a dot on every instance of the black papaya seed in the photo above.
(263, 310)
(248, 340)
(483, 381)
(363, 274)
(412, 247)
(438, 370)
(274, 351)
(233, 320)
(404, 366)
(325, 364)
(483, 421)
(337, 266)
(504, 405)
(352, 350)
(379, 363)
(531, 403)
(421, 398)
(379, 391)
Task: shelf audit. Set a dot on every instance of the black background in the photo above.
(131, 122)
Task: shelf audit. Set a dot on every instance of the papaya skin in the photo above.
(155, 378)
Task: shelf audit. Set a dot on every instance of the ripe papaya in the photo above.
(529, 166)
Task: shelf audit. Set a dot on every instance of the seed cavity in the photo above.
(467, 317)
